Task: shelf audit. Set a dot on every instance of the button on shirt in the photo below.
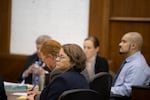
(135, 72)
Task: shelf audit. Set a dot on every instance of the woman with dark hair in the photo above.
(95, 63)
(76, 57)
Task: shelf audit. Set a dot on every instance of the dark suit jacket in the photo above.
(101, 65)
(30, 60)
(2, 91)
(66, 81)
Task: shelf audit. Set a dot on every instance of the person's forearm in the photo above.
(25, 74)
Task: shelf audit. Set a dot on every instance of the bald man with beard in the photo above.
(135, 70)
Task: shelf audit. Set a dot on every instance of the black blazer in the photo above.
(30, 60)
(2, 91)
(101, 65)
(66, 81)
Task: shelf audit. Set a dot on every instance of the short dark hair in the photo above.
(95, 41)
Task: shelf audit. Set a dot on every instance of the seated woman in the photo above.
(70, 61)
(95, 63)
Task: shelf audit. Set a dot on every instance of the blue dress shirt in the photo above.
(135, 72)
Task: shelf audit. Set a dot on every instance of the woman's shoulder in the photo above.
(69, 74)
(101, 58)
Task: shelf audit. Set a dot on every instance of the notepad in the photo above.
(15, 86)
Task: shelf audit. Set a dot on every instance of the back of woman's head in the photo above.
(76, 55)
(50, 47)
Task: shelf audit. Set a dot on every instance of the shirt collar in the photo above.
(135, 55)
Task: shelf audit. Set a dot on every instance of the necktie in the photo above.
(123, 63)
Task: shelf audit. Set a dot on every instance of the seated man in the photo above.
(134, 70)
(35, 58)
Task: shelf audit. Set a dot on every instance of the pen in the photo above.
(33, 87)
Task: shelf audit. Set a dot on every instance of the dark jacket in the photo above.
(66, 81)
(2, 91)
(101, 65)
(30, 60)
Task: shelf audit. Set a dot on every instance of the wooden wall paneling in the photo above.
(4, 26)
(95, 17)
(11, 65)
(105, 28)
(99, 22)
(132, 8)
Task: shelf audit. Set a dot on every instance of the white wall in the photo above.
(64, 20)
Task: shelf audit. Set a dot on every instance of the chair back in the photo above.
(101, 83)
(79, 94)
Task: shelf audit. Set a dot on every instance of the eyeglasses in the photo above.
(60, 57)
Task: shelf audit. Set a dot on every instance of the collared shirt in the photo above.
(135, 72)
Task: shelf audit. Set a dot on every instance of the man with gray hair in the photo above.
(29, 66)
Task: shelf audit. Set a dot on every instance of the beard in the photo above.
(121, 53)
(125, 52)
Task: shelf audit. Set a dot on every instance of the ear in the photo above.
(50, 56)
(133, 45)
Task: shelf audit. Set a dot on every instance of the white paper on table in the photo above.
(20, 94)
(16, 84)
(10, 86)
(13, 84)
